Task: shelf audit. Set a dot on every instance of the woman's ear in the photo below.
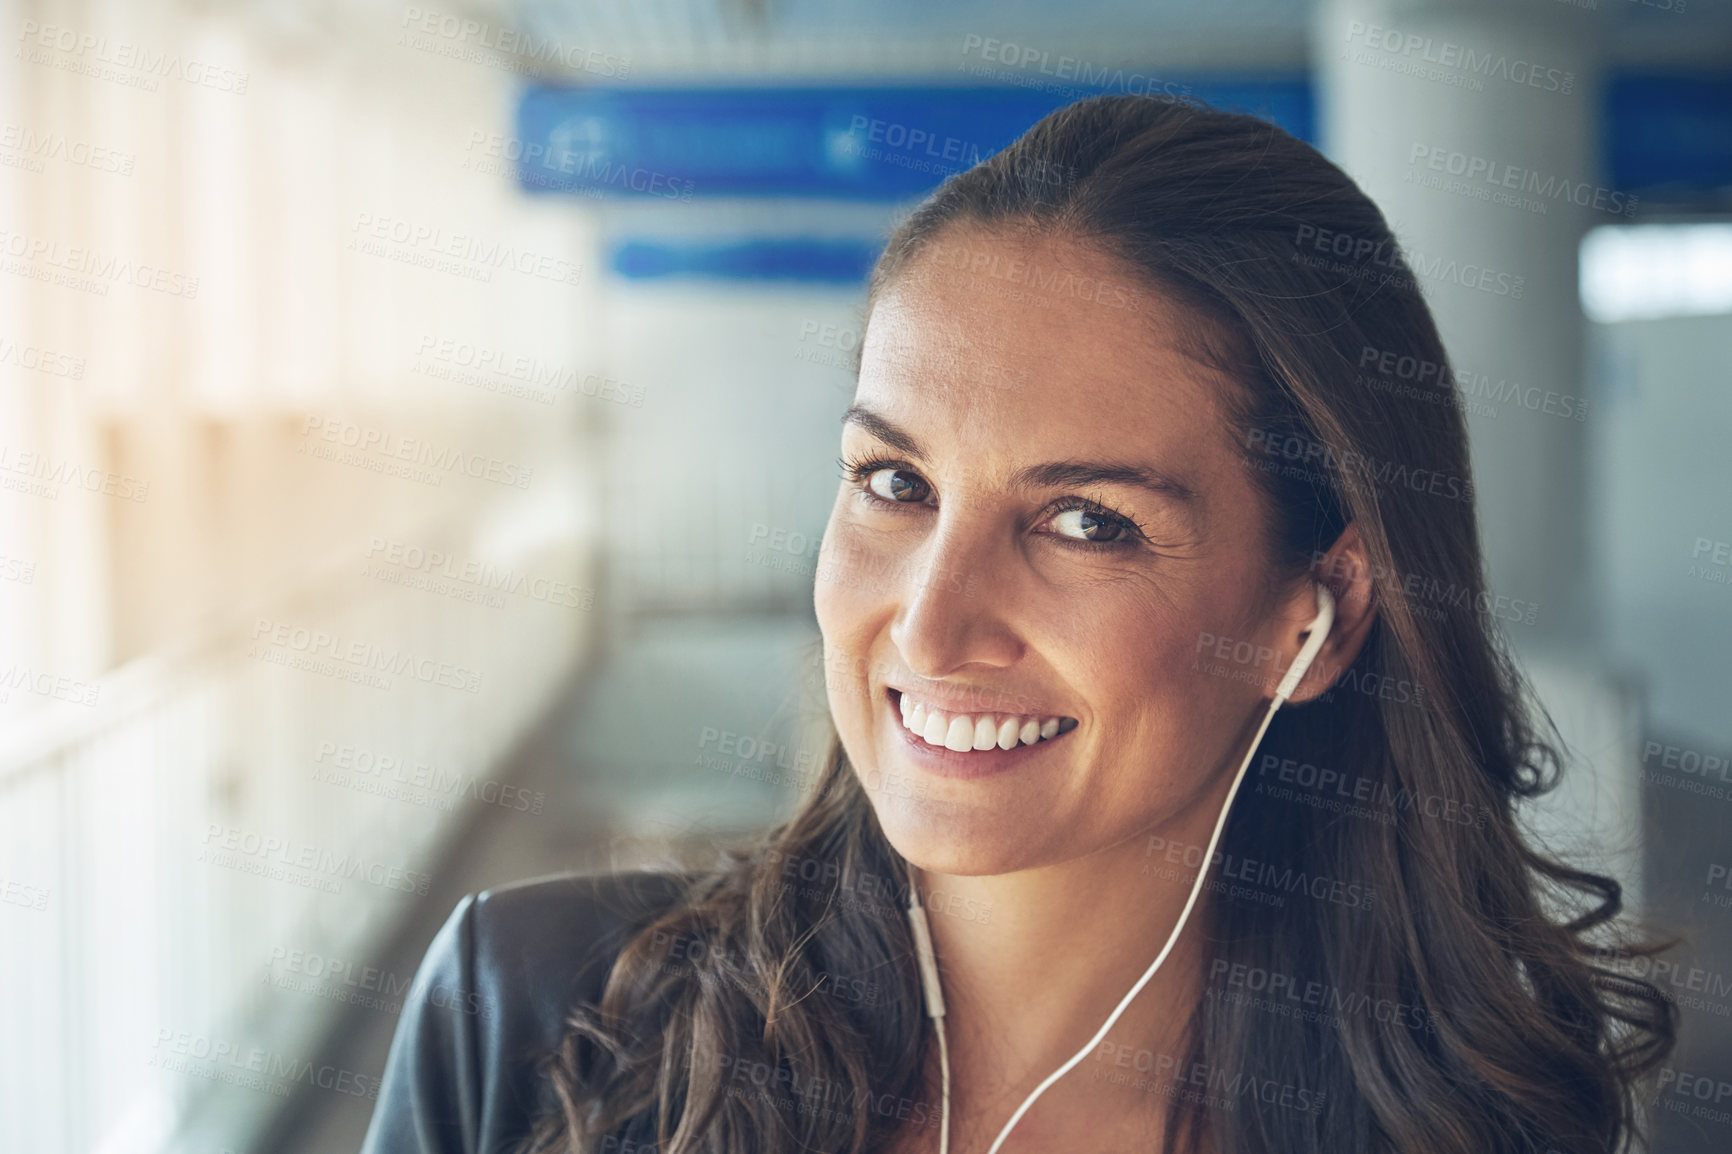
(1346, 571)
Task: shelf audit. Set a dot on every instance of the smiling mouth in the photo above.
(965, 732)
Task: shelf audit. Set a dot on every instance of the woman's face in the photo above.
(1050, 522)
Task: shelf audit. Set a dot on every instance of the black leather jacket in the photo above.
(490, 999)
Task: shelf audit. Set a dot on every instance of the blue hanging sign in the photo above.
(862, 144)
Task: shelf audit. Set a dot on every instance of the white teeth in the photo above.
(965, 732)
(960, 736)
(985, 733)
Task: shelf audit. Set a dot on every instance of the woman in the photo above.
(1111, 431)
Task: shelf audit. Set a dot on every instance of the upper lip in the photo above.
(952, 699)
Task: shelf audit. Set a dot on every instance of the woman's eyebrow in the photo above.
(884, 430)
(1074, 474)
(1051, 475)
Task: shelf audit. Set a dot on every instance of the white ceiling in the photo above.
(890, 37)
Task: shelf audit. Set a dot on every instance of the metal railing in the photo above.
(228, 804)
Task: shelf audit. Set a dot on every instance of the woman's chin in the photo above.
(939, 838)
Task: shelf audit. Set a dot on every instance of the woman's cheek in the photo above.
(846, 603)
(853, 580)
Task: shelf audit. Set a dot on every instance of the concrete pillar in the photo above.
(1463, 120)
(1393, 111)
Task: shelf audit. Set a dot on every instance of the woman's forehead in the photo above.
(1014, 309)
(943, 348)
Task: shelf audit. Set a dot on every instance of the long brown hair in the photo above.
(1484, 1001)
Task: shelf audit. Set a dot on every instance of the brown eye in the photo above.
(1084, 525)
(1086, 522)
(898, 485)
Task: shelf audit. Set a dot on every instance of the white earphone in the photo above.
(934, 991)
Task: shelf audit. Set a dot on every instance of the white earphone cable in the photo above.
(934, 997)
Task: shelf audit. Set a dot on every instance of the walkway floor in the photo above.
(633, 766)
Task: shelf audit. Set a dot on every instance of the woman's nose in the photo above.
(951, 612)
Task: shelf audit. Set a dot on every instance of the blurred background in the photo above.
(417, 425)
